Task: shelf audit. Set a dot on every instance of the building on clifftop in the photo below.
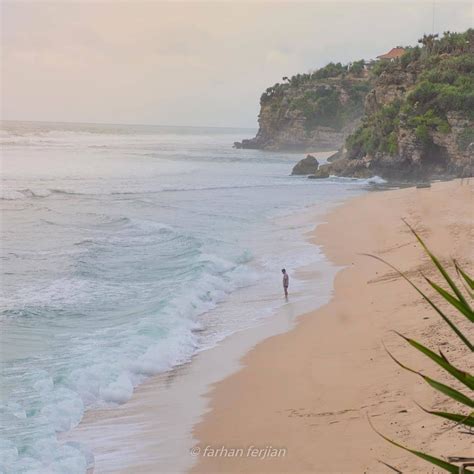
(393, 54)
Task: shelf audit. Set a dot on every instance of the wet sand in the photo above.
(308, 392)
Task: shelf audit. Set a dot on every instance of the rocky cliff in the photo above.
(314, 111)
(419, 116)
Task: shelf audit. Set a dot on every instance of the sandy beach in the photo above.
(294, 394)
(305, 395)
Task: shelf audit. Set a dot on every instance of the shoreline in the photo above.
(309, 391)
(165, 408)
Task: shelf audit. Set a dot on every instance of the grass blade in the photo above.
(440, 267)
(466, 310)
(467, 279)
(460, 419)
(446, 319)
(443, 356)
(433, 460)
(394, 469)
(449, 391)
(446, 389)
(464, 377)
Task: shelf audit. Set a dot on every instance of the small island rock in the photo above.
(308, 165)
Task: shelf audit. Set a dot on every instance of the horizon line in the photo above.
(126, 124)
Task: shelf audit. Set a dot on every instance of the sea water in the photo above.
(118, 242)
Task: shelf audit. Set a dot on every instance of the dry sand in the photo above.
(311, 390)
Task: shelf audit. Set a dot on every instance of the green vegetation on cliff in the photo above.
(331, 96)
(408, 117)
(442, 81)
(377, 133)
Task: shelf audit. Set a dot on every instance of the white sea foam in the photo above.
(362, 181)
(376, 180)
(125, 189)
(121, 260)
(11, 195)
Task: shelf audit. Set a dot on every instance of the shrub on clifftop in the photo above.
(443, 73)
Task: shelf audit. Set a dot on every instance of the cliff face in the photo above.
(419, 116)
(314, 111)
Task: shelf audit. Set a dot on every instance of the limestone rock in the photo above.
(292, 118)
(338, 155)
(322, 173)
(308, 165)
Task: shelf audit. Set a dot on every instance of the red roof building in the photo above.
(394, 53)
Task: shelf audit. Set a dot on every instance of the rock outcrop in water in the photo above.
(306, 166)
(309, 112)
(419, 116)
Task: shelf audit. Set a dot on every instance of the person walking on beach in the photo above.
(286, 282)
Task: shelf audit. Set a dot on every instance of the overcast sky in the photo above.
(175, 63)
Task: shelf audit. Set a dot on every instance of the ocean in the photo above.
(118, 245)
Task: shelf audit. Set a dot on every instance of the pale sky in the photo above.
(194, 63)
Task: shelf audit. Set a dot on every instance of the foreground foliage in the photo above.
(457, 295)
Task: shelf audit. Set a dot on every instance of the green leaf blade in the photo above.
(439, 266)
(449, 391)
(458, 332)
(467, 420)
(466, 310)
(463, 377)
(441, 387)
(466, 277)
(452, 468)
